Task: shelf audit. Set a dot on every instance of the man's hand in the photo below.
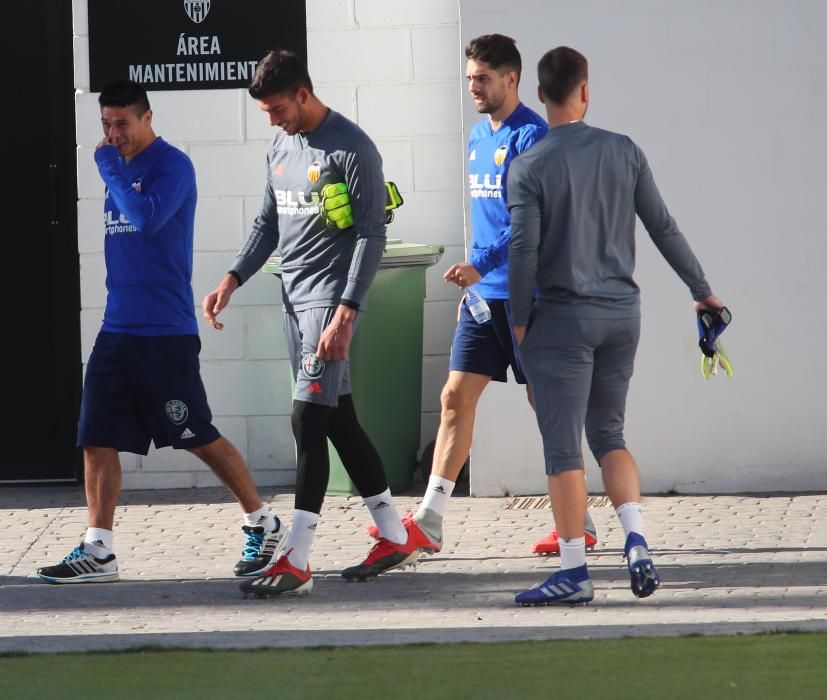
(462, 274)
(712, 322)
(710, 303)
(336, 337)
(104, 142)
(336, 210)
(519, 334)
(216, 300)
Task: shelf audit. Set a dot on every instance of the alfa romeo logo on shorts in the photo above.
(313, 367)
(176, 411)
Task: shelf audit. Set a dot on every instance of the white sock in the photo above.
(300, 539)
(436, 495)
(572, 552)
(261, 518)
(98, 542)
(383, 511)
(631, 517)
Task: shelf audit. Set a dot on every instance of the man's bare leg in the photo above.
(571, 585)
(266, 534)
(94, 560)
(102, 482)
(228, 465)
(550, 544)
(567, 493)
(620, 476)
(459, 399)
(622, 482)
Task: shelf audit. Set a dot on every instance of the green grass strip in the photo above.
(744, 666)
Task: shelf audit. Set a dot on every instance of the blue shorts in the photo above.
(486, 348)
(141, 389)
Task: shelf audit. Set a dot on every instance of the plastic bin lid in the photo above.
(398, 253)
(401, 254)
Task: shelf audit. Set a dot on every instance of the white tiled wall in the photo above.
(395, 68)
(743, 177)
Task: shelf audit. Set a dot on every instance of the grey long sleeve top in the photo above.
(573, 198)
(321, 266)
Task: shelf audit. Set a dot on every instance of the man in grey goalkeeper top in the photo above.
(573, 198)
(326, 273)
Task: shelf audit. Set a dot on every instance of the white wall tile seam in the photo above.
(384, 29)
(425, 25)
(355, 104)
(242, 116)
(418, 82)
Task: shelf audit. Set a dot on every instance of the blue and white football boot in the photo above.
(645, 578)
(564, 587)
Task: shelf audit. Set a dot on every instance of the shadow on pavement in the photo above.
(435, 590)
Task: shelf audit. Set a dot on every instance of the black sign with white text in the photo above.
(189, 44)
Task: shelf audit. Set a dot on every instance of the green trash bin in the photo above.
(386, 363)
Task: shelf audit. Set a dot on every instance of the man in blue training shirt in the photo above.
(573, 202)
(143, 381)
(483, 351)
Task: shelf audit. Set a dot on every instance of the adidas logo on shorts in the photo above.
(187, 434)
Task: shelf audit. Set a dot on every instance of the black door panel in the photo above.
(41, 318)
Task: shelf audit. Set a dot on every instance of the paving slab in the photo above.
(729, 564)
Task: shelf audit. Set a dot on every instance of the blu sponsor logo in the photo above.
(487, 185)
(297, 203)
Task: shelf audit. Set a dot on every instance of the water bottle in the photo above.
(477, 306)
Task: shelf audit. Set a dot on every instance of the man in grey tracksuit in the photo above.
(327, 267)
(573, 200)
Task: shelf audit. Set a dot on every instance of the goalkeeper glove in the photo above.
(393, 201)
(336, 210)
(711, 324)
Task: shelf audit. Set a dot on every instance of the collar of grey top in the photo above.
(305, 135)
(574, 124)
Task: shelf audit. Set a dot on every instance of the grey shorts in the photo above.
(579, 371)
(317, 381)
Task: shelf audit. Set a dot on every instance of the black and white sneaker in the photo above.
(261, 549)
(81, 567)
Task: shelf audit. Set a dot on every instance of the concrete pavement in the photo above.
(728, 563)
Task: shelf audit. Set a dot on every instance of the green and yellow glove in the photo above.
(336, 210)
(711, 324)
(710, 365)
(393, 201)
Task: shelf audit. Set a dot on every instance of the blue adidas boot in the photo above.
(564, 587)
(645, 579)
